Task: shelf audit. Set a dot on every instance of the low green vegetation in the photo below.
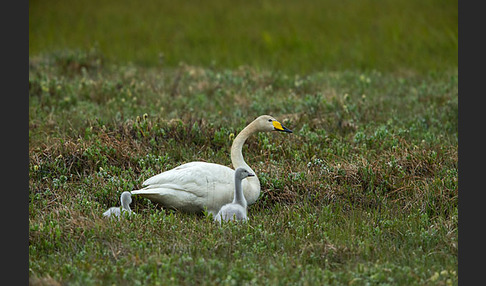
(364, 191)
(303, 36)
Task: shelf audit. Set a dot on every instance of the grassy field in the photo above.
(292, 36)
(364, 192)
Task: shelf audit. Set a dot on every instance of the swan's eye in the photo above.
(269, 120)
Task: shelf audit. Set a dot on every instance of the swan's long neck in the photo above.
(239, 197)
(252, 186)
(237, 147)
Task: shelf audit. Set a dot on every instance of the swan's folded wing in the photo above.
(175, 175)
(196, 178)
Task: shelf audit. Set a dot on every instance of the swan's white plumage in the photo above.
(196, 186)
(126, 200)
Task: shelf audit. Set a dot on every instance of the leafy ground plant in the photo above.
(363, 192)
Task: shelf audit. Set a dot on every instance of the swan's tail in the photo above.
(145, 192)
(155, 195)
(170, 198)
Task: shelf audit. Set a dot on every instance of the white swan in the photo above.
(237, 209)
(196, 186)
(126, 200)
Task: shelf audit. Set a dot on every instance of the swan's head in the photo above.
(267, 123)
(242, 173)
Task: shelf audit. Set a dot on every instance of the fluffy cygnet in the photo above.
(126, 200)
(237, 209)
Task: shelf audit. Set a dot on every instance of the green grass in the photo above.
(291, 36)
(363, 192)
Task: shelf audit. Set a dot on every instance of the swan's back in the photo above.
(189, 175)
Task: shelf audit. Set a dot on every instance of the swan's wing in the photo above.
(196, 178)
(191, 187)
(187, 173)
(172, 174)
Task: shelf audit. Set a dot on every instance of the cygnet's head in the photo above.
(267, 123)
(126, 197)
(242, 173)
